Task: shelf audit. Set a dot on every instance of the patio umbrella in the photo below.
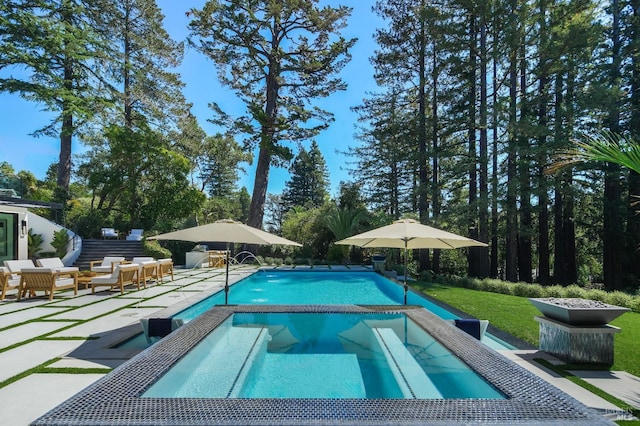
(225, 231)
(410, 234)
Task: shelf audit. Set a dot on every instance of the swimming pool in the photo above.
(116, 399)
(320, 355)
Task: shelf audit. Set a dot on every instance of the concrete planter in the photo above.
(576, 311)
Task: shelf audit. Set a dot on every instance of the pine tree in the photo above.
(54, 48)
(308, 186)
(278, 57)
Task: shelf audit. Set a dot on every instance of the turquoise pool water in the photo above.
(324, 288)
(308, 288)
(317, 355)
(313, 288)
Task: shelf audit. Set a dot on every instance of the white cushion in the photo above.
(51, 262)
(105, 266)
(139, 260)
(63, 282)
(107, 261)
(18, 265)
(110, 279)
(67, 269)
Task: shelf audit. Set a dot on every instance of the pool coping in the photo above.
(115, 400)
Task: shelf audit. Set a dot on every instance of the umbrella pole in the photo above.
(406, 287)
(226, 279)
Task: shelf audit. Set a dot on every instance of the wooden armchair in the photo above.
(165, 267)
(46, 279)
(7, 282)
(106, 265)
(122, 275)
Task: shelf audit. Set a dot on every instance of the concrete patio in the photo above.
(40, 339)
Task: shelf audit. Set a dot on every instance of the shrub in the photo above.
(153, 249)
(34, 244)
(496, 286)
(301, 261)
(60, 242)
(427, 276)
(528, 290)
(599, 295)
(554, 291)
(288, 261)
(469, 282)
(574, 291)
(619, 298)
(277, 261)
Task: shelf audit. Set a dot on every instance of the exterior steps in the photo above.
(98, 249)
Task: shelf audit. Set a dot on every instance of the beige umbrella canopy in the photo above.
(226, 231)
(410, 234)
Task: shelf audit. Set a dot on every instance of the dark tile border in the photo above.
(114, 399)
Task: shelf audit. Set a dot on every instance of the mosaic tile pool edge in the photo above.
(114, 400)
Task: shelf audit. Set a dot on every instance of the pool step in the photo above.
(411, 378)
(307, 376)
(228, 358)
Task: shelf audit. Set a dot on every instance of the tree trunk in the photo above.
(423, 184)
(483, 188)
(256, 209)
(267, 136)
(541, 155)
(511, 273)
(472, 255)
(633, 216)
(66, 133)
(494, 268)
(613, 216)
(435, 168)
(525, 230)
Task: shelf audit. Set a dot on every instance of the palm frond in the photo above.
(607, 147)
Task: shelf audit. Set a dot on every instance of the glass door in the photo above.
(8, 236)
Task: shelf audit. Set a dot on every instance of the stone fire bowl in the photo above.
(575, 311)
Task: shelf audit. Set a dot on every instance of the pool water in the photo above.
(304, 287)
(270, 287)
(320, 355)
(322, 288)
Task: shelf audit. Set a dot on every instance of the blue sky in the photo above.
(19, 118)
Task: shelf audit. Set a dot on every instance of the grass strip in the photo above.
(76, 370)
(36, 369)
(561, 370)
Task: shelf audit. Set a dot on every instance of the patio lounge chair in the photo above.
(56, 263)
(122, 275)
(15, 266)
(106, 265)
(148, 268)
(6, 282)
(165, 267)
(135, 235)
(47, 280)
(109, 233)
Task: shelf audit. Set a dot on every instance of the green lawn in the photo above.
(514, 315)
